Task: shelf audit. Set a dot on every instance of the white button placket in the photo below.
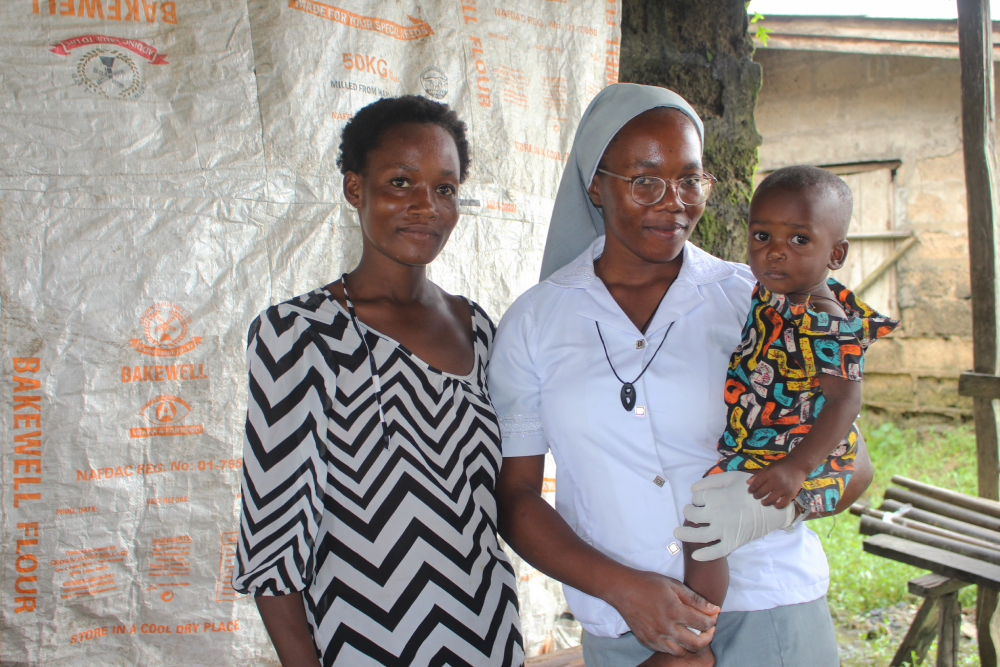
(641, 411)
(640, 344)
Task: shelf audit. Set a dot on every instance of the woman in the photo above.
(616, 362)
(372, 451)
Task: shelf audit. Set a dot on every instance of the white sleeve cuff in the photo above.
(523, 435)
(520, 426)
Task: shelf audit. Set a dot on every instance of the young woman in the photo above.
(368, 534)
(616, 363)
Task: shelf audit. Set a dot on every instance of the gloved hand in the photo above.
(734, 517)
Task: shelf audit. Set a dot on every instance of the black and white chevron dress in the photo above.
(394, 548)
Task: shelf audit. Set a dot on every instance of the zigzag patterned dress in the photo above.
(393, 547)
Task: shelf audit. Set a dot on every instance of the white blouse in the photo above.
(623, 477)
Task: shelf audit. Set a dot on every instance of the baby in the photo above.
(794, 383)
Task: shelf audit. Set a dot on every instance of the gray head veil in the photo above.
(576, 222)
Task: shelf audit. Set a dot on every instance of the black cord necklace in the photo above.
(628, 388)
(376, 380)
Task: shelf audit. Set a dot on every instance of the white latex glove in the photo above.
(734, 517)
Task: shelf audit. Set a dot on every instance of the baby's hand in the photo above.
(777, 484)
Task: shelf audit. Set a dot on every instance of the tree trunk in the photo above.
(700, 49)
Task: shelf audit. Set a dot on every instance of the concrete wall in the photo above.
(830, 108)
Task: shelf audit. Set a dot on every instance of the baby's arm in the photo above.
(710, 579)
(781, 481)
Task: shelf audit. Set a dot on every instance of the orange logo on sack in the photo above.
(166, 328)
(166, 409)
(165, 412)
(418, 30)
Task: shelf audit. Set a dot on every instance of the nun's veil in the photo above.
(576, 222)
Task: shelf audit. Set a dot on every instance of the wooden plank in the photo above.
(942, 508)
(846, 169)
(981, 505)
(919, 637)
(870, 526)
(943, 522)
(979, 385)
(889, 262)
(849, 168)
(978, 117)
(949, 634)
(943, 562)
(934, 585)
(913, 523)
(888, 235)
(975, 40)
(986, 602)
(936, 560)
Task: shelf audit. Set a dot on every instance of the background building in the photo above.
(878, 102)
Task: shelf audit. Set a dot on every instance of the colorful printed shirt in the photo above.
(773, 389)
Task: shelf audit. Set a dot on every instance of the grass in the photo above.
(860, 582)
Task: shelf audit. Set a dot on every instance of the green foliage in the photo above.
(762, 32)
(860, 581)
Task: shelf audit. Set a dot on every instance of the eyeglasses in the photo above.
(649, 190)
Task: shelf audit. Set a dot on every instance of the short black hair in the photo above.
(801, 177)
(365, 130)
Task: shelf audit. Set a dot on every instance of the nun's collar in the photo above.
(699, 267)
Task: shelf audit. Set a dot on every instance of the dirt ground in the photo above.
(871, 639)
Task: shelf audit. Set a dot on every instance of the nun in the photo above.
(616, 364)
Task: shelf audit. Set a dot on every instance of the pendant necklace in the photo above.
(376, 380)
(628, 388)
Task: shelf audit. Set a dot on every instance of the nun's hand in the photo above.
(661, 613)
(731, 516)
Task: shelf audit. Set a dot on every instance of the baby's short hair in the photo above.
(822, 182)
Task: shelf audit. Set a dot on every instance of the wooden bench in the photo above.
(956, 537)
(939, 616)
